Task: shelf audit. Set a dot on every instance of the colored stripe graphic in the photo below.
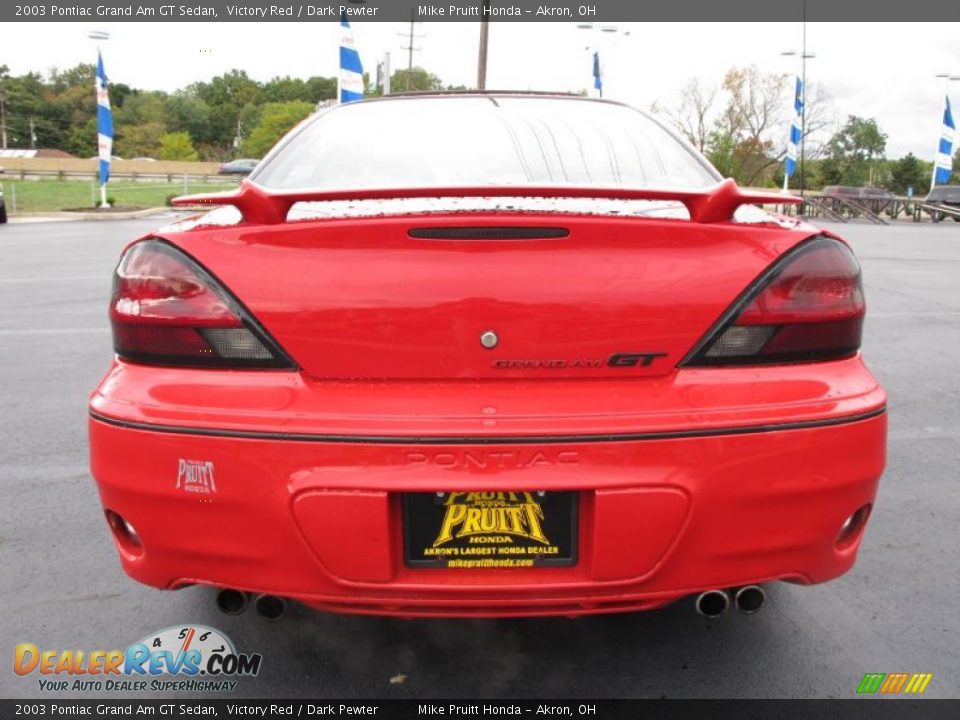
(893, 683)
(918, 683)
(870, 683)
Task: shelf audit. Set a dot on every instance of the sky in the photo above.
(881, 70)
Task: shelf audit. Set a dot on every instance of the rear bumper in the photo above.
(661, 515)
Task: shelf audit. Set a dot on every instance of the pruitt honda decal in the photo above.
(486, 529)
(195, 476)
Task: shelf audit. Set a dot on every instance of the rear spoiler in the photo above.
(710, 205)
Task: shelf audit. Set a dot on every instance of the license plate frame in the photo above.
(531, 529)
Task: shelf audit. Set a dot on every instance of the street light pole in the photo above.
(597, 30)
(803, 105)
(804, 56)
(3, 117)
(484, 41)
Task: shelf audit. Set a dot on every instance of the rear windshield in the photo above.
(470, 141)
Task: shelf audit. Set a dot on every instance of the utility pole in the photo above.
(238, 138)
(33, 135)
(3, 117)
(484, 38)
(411, 47)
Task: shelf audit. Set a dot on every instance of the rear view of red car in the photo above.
(487, 354)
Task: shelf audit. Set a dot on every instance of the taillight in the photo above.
(809, 306)
(167, 310)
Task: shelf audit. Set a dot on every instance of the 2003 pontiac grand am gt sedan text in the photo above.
(503, 355)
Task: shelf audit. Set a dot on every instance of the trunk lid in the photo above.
(411, 297)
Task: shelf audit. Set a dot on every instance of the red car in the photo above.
(487, 354)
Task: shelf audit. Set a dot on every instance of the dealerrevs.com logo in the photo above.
(183, 658)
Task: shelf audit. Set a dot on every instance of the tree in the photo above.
(852, 151)
(742, 126)
(276, 120)
(414, 79)
(693, 118)
(321, 88)
(141, 140)
(184, 113)
(176, 146)
(907, 172)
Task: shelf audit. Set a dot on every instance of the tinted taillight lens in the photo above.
(809, 306)
(167, 310)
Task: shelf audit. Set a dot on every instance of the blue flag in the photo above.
(104, 122)
(351, 69)
(597, 79)
(943, 164)
(796, 132)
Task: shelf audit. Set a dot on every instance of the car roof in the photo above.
(491, 94)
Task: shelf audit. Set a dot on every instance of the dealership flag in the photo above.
(943, 165)
(597, 79)
(796, 133)
(351, 69)
(104, 128)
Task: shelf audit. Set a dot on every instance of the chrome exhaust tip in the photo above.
(712, 603)
(270, 607)
(749, 599)
(232, 602)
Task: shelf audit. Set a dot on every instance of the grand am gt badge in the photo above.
(641, 359)
(195, 476)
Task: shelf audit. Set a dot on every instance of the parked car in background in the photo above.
(3, 206)
(948, 195)
(512, 354)
(874, 199)
(243, 166)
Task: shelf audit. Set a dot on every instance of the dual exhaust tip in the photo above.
(747, 599)
(711, 603)
(234, 602)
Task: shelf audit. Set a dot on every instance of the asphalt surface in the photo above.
(61, 585)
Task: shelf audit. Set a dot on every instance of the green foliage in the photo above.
(414, 79)
(908, 172)
(217, 114)
(138, 140)
(852, 153)
(276, 120)
(176, 146)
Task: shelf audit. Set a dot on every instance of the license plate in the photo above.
(476, 530)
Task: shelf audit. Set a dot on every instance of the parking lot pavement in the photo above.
(61, 586)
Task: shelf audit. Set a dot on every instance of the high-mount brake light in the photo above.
(167, 310)
(807, 307)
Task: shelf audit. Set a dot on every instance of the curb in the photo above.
(67, 216)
